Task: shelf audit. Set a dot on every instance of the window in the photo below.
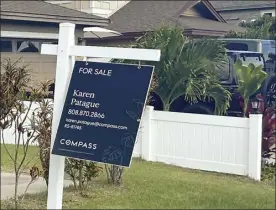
(237, 46)
(59, 2)
(27, 46)
(6, 46)
(268, 14)
(255, 58)
(49, 42)
(100, 4)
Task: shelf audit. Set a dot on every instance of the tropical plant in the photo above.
(43, 126)
(14, 78)
(187, 67)
(262, 28)
(250, 79)
(16, 115)
(269, 144)
(269, 129)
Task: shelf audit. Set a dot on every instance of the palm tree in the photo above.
(187, 67)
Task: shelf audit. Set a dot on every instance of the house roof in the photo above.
(238, 5)
(140, 16)
(41, 11)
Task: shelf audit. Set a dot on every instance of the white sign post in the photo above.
(66, 50)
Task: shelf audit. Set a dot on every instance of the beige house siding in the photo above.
(69, 4)
(100, 8)
(192, 12)
(42, 66)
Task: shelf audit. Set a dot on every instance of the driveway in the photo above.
(7, 185)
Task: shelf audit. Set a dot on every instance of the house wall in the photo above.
(192, 12)
(237, 16)
(266, 11)
(109, 43)
(100, 8)
(42, 67)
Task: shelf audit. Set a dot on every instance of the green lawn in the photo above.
(156, 185)
(6, 162)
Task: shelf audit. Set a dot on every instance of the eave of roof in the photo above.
(213, 10)
(133, 35)
(248, 7)
(206, 3)
(52, 19)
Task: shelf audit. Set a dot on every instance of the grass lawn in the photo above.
(156, 185)
(7, 164)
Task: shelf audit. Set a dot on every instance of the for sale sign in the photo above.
(102, 112)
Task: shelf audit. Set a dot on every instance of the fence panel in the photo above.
(205, 142)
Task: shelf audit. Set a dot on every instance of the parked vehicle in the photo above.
(229, 81)
(257, 45)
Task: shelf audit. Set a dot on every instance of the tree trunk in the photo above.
(75, 183)
(16, 190)
(245, 107)
(81, 175)
(114, 174)
(166, 107)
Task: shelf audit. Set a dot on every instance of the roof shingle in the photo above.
(41, 8)
(141, 16)
(233, 5)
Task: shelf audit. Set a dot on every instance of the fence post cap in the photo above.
(255, 115)
(67, 25)
(150, 108)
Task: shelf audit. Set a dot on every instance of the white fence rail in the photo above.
(213, 143)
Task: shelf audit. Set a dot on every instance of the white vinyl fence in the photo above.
(8, 134)
(206, 142)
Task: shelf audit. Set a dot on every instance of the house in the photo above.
(25, 25)
(238, 11)
(232, 11)
(198, 18)
(100, 8)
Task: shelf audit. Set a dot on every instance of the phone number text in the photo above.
(86, 113)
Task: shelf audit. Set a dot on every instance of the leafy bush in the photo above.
(43, 123)
(263, 28)
(81, 172)
(269, 136)
(15, 114)
(114, 174)
(268, 172)
(13, 81)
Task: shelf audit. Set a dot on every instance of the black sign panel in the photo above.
(102, 112)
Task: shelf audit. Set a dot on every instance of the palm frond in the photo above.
(187, 66)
